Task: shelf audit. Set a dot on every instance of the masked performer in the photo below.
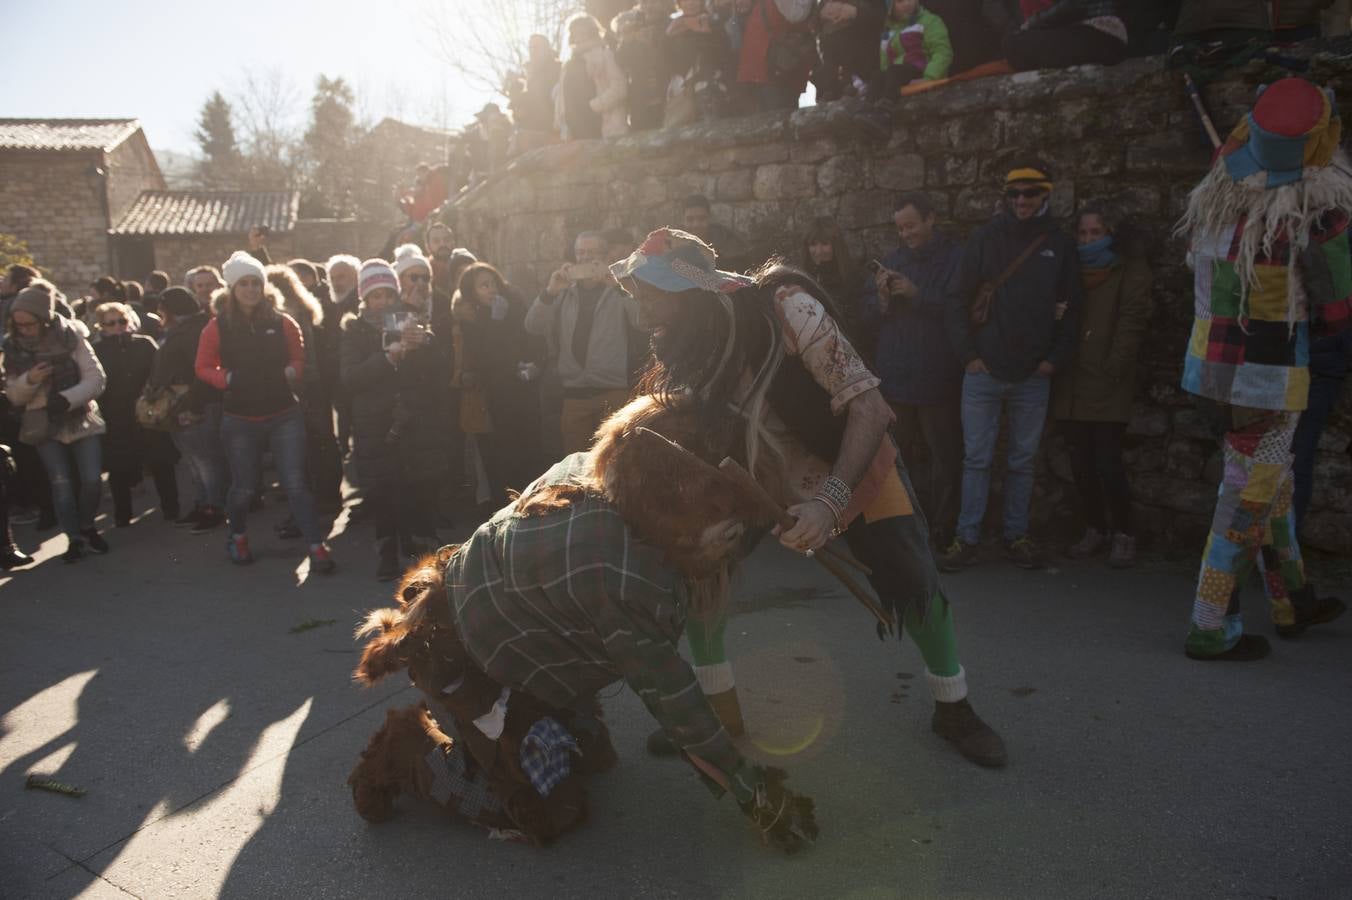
(586, 580)
(812, 427)
(1269, 244)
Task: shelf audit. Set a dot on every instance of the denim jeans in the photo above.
(1025, 405)
(204, 453)
(1324, 392)
(64, 464)
(245, 441)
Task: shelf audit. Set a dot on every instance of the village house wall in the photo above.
(54, 203)
(1126, 136)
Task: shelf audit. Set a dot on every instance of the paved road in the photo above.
(214, 743)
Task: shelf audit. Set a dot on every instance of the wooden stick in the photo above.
(1195, 96)
(739, 479)
(830, 560)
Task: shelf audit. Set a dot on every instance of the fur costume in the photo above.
(584, 581)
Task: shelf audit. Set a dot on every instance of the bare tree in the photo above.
(485, 40)
(270, 107)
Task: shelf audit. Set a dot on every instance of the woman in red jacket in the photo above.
(255, 353)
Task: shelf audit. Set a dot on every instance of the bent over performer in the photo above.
(586, 580)
(769, 353)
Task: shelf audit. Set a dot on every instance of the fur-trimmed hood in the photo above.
(297, 301)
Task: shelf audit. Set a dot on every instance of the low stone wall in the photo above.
(1125, 136)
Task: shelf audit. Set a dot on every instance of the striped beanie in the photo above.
(376, 273)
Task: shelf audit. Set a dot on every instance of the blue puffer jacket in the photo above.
(915, 360)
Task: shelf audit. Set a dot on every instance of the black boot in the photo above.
(959, 724)
(11, 557)
(1311, 610)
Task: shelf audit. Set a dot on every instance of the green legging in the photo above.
(934, 636)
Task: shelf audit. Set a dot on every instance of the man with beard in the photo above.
(813, 433)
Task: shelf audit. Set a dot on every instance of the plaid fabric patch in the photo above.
(470, 794)
(565, 604)
(546, 755)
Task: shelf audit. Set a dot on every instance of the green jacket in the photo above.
(923, 43)
(1250, 15)
(1100, 385)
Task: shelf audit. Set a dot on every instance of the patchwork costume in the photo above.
(1269, 246)
(793, 408)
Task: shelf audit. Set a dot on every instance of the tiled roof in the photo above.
(65, 134)
(209, 212)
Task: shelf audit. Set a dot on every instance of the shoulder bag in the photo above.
(980, 312)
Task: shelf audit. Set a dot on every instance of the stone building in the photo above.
(63, 182)
(1124, 136)
(178, 230)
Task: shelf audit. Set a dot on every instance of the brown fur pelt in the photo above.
(419, 636)
(685, 509)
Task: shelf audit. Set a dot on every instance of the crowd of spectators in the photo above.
(436, 386)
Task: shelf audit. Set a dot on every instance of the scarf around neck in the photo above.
(1098, 254)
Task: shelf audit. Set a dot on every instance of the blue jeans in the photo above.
(244, 442)
(1324, 393)
(74, 512)
(201, 448)
(1025, 404)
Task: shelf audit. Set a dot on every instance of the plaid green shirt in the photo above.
(563, 605)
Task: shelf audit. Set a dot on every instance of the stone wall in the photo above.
(177, 254)
(131, 169)
(54, 202)
(1125, 136)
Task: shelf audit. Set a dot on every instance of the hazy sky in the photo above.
(158, 60)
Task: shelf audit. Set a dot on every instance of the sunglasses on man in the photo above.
(113, 323)
(1028, 193)
(418, 278)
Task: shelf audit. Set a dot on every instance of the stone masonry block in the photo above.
(781, 182)
(905, 172)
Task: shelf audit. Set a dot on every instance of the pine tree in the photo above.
(219, 167)
(330, 143)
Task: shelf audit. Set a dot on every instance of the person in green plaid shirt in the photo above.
(560, 600)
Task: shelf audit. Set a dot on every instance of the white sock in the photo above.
(715, 679)
(948, 689)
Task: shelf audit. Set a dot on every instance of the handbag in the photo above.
(158, 407)
(35, 426)
(792, 53)
(980, 312)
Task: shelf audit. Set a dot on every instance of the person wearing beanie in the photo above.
(397, 380)
(767, 372)
(1276, 202)
(1013, 319)
(197, 412)
(255, 353)
(129, 448)
(53, 376)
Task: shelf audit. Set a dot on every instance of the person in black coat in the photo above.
(397, 381)
(506, 360)
(128, 449)
(197, 431)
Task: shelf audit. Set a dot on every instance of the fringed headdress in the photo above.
(1280, 170)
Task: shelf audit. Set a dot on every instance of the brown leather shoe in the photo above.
(959, 724)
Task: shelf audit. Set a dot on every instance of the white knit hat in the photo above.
(410, 256)
(240, 264)
(376, 273)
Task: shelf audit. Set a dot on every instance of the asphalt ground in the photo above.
(208, 713)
